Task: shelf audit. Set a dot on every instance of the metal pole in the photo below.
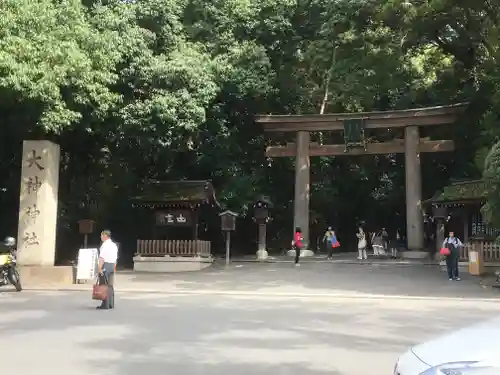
(228, 246)
(85, 241)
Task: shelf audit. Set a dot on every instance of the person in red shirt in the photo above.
(297, 239)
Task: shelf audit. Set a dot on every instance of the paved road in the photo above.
(318, 278)
(45, 332)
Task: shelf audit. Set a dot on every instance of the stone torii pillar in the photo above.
(302, 185)
(413, 172)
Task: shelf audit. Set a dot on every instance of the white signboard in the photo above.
(87, 264)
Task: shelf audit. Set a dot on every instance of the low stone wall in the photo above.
(37, 275)
(170, 264)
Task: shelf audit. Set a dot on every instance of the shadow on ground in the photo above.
(154, 334)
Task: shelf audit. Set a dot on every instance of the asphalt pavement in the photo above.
(256, 327)
(364, 280)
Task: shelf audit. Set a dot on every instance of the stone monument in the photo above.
(36, 236)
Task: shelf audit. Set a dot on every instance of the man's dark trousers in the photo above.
(108, 278)
(452, 264)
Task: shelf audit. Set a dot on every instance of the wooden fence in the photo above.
(490, 250)
(180, 248)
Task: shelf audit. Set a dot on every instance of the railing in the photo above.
(490, 250)
(181, 248)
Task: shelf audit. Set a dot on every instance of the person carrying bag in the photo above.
(108, 255)
(451, 251)
(100, 291)
(334, 244)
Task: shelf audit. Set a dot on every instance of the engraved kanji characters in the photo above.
(32, 212)
(33, 184)
(30, 238)
(34, 160)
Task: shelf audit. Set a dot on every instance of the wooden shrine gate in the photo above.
(354, 125)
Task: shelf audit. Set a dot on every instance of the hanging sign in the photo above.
(174, 218)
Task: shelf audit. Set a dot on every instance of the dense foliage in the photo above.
(168, 89)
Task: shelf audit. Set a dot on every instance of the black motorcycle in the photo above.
(8, 265)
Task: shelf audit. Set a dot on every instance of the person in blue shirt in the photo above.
(454, 245)
(333, 242)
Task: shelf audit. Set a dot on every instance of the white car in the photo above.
(469, 351)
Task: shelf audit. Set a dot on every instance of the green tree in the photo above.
(492, 177)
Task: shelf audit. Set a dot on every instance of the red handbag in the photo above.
(100, 291)
(445, 251)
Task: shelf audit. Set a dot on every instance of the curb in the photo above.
(276, 294)
(355, 262)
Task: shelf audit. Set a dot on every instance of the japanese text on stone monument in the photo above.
(33, 182)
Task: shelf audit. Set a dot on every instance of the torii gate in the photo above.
(411, 146)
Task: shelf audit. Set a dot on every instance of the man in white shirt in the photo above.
(108, 255)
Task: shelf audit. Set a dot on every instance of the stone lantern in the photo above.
(261, 216)
(440, 214)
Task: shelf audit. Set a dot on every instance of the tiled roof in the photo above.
(464, 191)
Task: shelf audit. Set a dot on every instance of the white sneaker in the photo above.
(297, 264)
